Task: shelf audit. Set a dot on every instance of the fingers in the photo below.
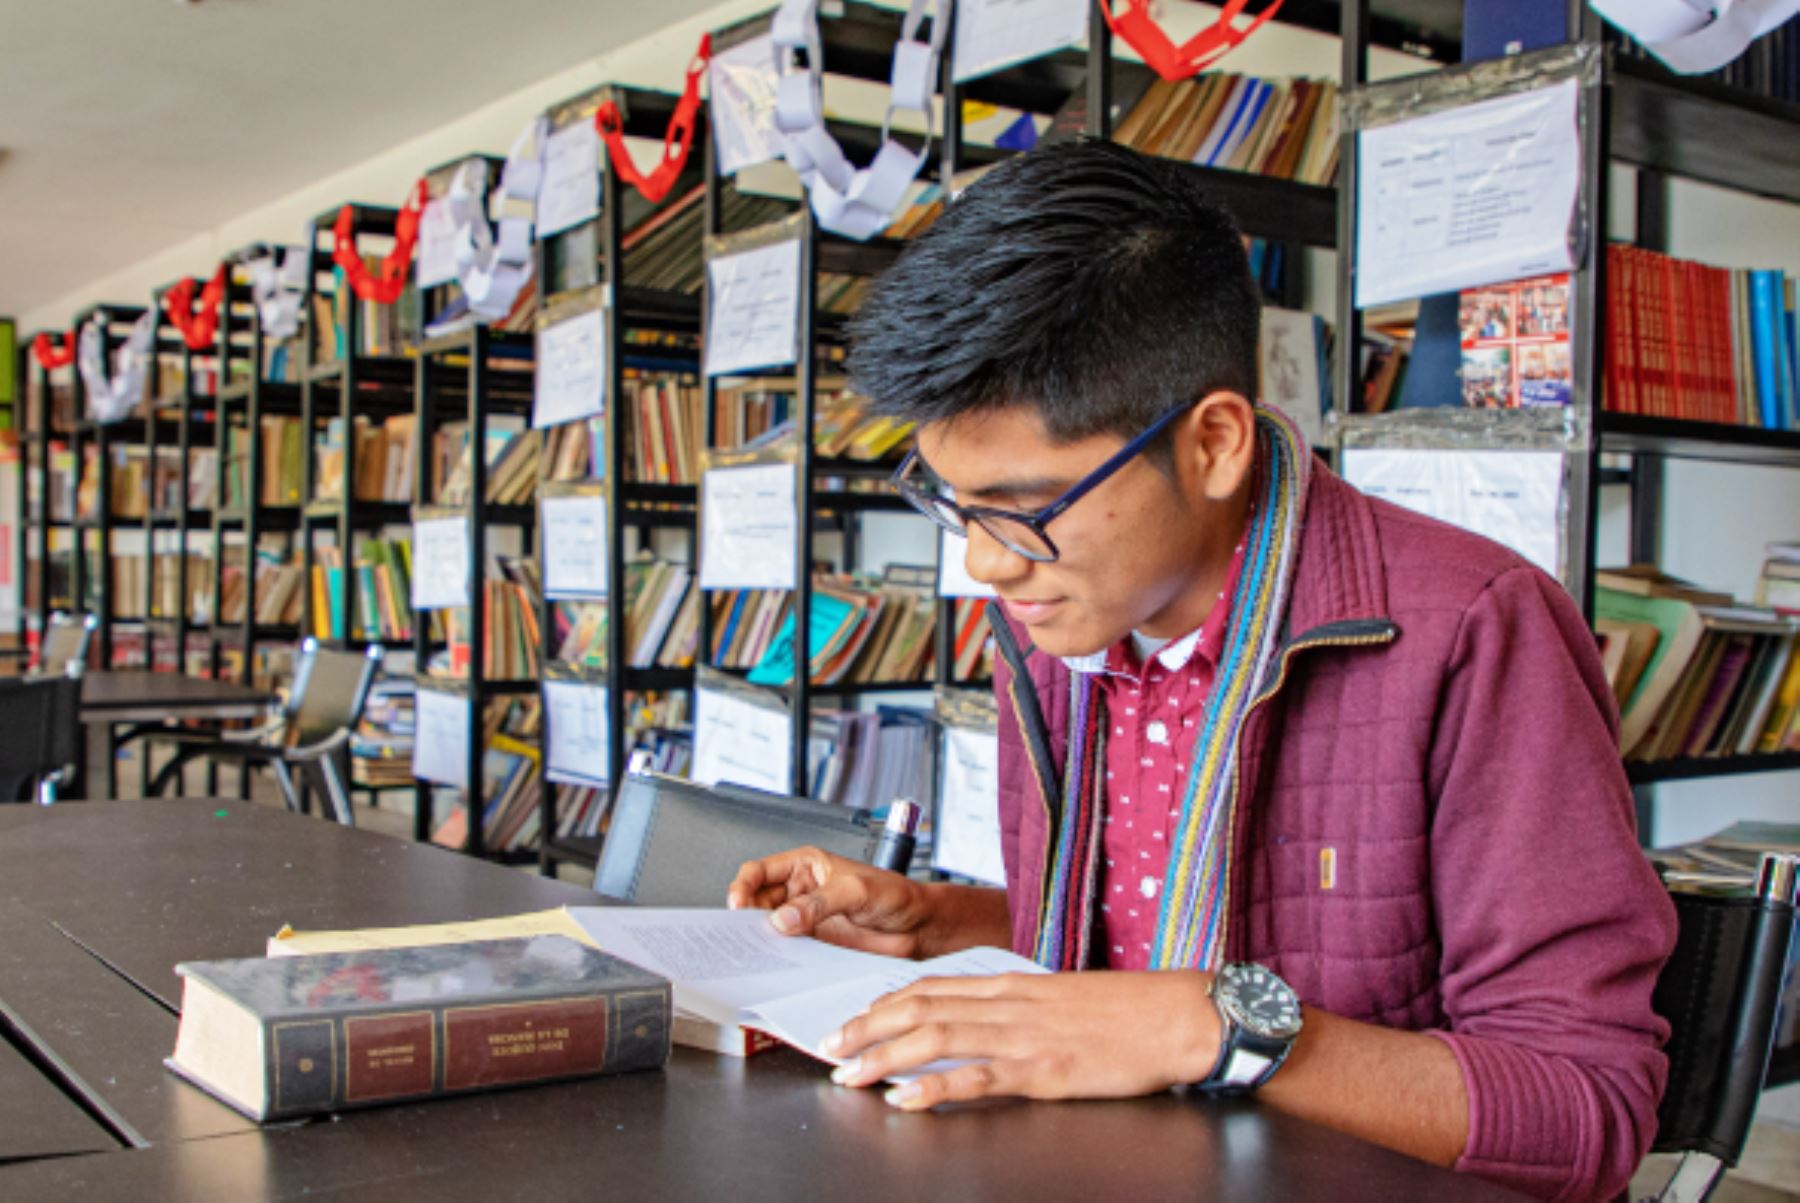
(977, 1080)
(880, 1034)
(938, 1040)
(1000, 985)
(802, 914)
(767, 883)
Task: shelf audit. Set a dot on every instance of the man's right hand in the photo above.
(813, 893)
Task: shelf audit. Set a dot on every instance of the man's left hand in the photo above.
(1055, 1036)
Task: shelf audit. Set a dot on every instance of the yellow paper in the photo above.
(290, 943)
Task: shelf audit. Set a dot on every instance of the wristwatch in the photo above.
(1259, 1018)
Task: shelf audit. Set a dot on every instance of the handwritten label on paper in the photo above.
(440, 577)
(441, 737)
(437, 245)
(742, 84)
(575, 747)
(1512, 497)
(570, 192)
(1473, 195)
(753, 309)
(966, 840)
(571, 370)
(749, 518)
(574, 542)
(738, 741)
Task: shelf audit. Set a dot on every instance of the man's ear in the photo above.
(1218, 440)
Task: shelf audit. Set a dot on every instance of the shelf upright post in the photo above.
(309, 402)
(950, 150)
(475, 512)
(712, 225)
(617, 666)
(22, 435)
(425, 434)
(1647, 467)
(46, 427)
(1099, 76)
(1353, 72)
(801, 710)
(1587, 317)
(346, 513)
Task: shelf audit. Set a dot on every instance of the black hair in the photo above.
(1096, 284)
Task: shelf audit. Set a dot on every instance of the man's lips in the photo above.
(1031, 612)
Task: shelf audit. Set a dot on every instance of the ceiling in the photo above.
(127, 126)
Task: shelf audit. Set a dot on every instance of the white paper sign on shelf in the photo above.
(991, 34)
(575, 751)
(570, 382)
(440, 577)
(742, 84)
(574, 542)
(749, 519)
(753, 309)
(437, 245)
(570, 192)
(1472, 195)
(1512, 497)
(966, 839)
(736, 740)
(953, 570)
(441, 737)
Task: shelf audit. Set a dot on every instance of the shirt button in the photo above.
(1157, 732)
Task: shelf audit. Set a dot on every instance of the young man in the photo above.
(1261, 736)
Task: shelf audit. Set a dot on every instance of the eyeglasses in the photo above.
(1020, 533)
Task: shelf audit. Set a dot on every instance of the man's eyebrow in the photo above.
(1018, 486)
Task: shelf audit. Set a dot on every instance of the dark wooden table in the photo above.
(98, 901)
(145, 701)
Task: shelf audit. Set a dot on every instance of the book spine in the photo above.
(364, 1057)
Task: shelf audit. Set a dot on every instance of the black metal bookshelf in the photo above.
(597, 256)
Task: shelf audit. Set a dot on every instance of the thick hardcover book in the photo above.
(289, 1036)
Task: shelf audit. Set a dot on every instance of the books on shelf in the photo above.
(381, 747)
(1699, 343)
(385, 458)
(662, 620)
(1285, 128)
(510, 636)
(867, 759)
(657, 726)
(667, 427)
(1696, 678)
(381, 329)
(511, 817)
(512, 464)
(861, 631)
(1778, 586)
(382, 595)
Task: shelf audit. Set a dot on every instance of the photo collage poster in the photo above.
(1515, 344)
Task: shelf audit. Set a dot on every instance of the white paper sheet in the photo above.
(1469, 196)
(1290, 369)
(437, 245)
(575, 746)
(742, 84)
(753, 309)
(441, 737)
(966, 837)
(440, 576)
(1512, 497)
(570, 381)
(574, 542)
(740, 742)
(953, 570)
(1693, 36)
(991, 34)
(732, 967)
(749, 517)
(570, 192)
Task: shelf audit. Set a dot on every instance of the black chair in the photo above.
(63, 652)
(1720, 992)
(674, 843)
(311, 734)
(39, 736)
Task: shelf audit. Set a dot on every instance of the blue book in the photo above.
(1790, 363)
(731, 621)
(1242, 118)
(1765, 346)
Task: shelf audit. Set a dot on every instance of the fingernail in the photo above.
(786, 919)
(843, 1073)
(902, 1094)
(832, 1043)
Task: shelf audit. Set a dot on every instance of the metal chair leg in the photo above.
(1693, 1180)
(285, 779)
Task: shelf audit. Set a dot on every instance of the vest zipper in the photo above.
(1386, 635)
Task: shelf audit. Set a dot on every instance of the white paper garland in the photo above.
(1695, 36)
(278, 287)
(111, 397)
(493, 270)
(858, 203)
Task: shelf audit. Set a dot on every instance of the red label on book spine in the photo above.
(523, 1042)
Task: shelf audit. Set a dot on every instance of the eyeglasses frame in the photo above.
(930, 504)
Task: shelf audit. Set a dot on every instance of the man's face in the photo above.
(1128, 549)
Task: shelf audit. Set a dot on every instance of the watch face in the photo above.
(1259, 1001)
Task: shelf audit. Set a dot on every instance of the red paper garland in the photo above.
(677, 141)
(197, 329)
(1140, 31)
(49, 355)
(385, 286)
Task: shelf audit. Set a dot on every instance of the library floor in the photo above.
(1769, 1173)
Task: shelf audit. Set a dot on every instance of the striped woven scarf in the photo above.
(1191, 923)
